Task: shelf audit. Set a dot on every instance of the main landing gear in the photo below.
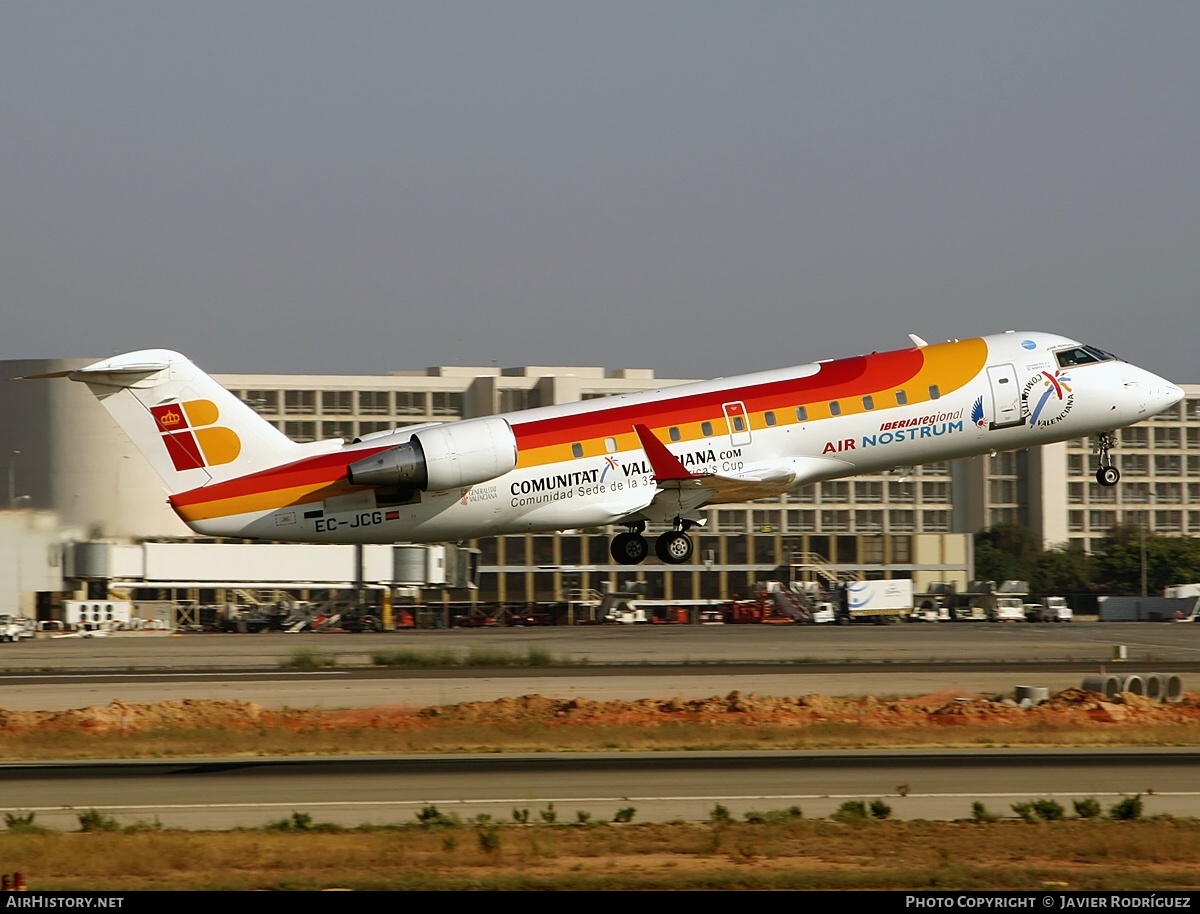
(1107, 474)
(674, 547)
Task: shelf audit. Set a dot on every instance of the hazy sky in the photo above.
(699, 188)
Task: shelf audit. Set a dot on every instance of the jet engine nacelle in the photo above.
(443, 457)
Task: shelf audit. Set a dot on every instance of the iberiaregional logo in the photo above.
(192, 437)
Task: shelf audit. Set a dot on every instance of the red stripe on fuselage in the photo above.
(324, 468)
(851, 377)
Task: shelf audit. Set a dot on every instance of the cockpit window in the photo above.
(1081, 355)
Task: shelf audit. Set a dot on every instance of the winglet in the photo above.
(666, 466)
(917, 341)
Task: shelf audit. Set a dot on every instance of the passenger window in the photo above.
(868, 402)
(739, 424)
(835, 408)
(706, 429)
(901, 398)
(769, 418)
(934, 392)
(674, 433)
(577, 449)
(801, 414)
(610, 445)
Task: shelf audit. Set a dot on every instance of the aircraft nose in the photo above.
(1171, 393)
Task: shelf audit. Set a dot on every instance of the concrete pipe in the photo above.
(1154, 686)
(1026, 696)
(1134, 684)
(1106, 685)
(1172, 687)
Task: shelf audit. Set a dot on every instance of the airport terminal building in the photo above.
(65, 456)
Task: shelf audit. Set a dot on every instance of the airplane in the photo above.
(657, 457)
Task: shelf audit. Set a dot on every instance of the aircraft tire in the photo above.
(1108, 476)
(628, 548)
(674, 547)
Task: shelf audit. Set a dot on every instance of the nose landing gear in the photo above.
(1107, 474)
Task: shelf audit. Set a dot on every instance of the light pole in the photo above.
(12, 478)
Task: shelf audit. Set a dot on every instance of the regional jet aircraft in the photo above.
(657, 457)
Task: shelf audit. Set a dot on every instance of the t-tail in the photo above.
(192, 430)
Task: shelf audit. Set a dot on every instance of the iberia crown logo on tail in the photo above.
(192, 437)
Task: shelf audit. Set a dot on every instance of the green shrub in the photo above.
(720, 815)
(851, 811)
(980, 813)
(1088, 808)
(774, 816)
(1025, 811)
(880, 809)
(625, 815)
(430, 816)
(94, 820)
(521, 816)
(549, 815)
(1049, 810)
(1126, 809)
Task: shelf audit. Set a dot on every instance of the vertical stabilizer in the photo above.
(191, 429)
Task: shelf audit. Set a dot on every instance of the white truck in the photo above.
(13, 628)
(1007, 609)
(874, 601)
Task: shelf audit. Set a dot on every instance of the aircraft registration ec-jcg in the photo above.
(651, 458)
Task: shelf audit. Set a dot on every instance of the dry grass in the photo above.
(1072, 855)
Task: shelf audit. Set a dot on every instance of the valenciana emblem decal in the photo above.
(1053, 395)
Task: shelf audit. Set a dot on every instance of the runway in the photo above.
(634, 662)
(660, 787)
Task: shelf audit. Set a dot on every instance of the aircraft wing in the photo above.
(681, 491)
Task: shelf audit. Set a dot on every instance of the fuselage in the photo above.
(583, 464)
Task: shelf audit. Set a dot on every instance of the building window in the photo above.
(834, 521)
(936, 521)
(337, 402)
(900, 520)
(868, 491)
(868, 521)
(1135, 437)
(300, 431)
(1075, 465)
(338, 430)
(1166, 437)
(801, 521)
(1135, 464)
(265, 402)
(446, 403)
(379, 402)
(937, 493)
(835, 492)
(513, 400)
(299, 402)
(1167, 465)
